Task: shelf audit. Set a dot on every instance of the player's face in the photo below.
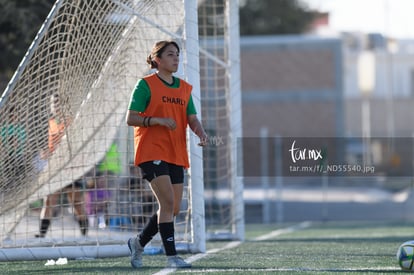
(169, 59)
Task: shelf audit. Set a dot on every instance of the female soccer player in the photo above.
(160, 109)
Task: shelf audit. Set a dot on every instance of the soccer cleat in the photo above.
(50, 262)
(177, 262)
(62, 261)
(136, 252)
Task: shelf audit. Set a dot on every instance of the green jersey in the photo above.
(13, 138)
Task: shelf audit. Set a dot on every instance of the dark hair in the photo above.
(157, 51)
(54, 103)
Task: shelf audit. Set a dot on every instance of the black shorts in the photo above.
(152, 169)
(79, 184)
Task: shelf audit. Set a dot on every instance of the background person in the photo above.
(98, 194)
(13, 138)
(97, 198)
(73, 191)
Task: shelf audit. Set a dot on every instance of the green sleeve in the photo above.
(190, 107)
(140, 98)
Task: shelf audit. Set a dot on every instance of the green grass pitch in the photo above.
(315, 248)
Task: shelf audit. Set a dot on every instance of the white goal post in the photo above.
(91, 53)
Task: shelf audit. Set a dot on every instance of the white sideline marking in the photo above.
(304, 269)
(278, 232)
(234, 244)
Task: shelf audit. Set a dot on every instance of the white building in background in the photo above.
(307, 86)
(394, 61)
(392, 98)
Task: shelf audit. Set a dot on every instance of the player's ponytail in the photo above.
(151, 62)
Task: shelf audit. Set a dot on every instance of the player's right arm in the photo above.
(134, 118)
(138, 103)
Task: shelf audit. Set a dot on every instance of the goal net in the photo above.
(89, 55)
(221, 113)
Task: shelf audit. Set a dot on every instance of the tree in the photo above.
(265, 17)
(21, 20)
(19, 24)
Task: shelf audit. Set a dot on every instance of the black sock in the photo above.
(44, 226)
(167, 236)
(149, 231)
(83, 224)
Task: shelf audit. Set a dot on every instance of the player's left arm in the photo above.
(194, 123)
(195, 126)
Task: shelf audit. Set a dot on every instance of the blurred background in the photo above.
(335, 68)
